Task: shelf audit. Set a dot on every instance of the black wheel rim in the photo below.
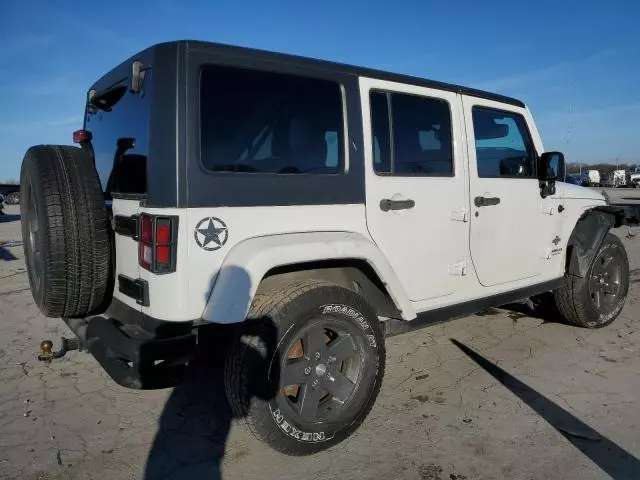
(321, 370)
(604, 284)
(33, 240)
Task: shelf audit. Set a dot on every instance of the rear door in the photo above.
(118, 122)
(415, 179)
(513, 229)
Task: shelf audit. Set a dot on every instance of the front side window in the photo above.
(264, 122)
(411, 135)
(503, 144)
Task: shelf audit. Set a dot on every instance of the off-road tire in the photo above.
(251, 386)
(573, 298)
(65, 231)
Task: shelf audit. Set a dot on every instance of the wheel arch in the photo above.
(587, 236)
(345, 258)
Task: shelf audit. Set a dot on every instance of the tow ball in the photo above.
(46, 349)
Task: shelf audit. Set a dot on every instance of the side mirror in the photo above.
(550, 166)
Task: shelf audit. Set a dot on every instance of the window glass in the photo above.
(380, 131)
(421, 129)
(112, 117)
(265, 122)
(503, 144)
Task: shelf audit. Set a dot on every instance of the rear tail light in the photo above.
(158, 240)
(81, 136)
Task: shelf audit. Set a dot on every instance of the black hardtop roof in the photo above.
(232, 50)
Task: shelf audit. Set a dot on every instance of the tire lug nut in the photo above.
(317, 356)
(307, 370)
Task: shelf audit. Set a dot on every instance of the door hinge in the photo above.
(548, 209)
(459, 215)
(459, 268)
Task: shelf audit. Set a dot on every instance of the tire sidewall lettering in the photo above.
(358, 317)
(288, 428)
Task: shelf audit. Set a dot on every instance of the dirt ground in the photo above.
(501, 395)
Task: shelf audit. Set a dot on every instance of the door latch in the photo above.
(387, 204)
(486, 201)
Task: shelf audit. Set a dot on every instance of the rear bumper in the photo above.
(137, 351)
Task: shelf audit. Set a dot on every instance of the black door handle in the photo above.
(486, 201)
(387, 204)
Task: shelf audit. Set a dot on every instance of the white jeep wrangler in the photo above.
(314, 206)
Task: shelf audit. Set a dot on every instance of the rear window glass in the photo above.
(264, 122)
(119, 123)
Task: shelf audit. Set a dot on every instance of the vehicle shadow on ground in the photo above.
(610, 457)
(540, 307)
(196, 420)
(9, 218)
(6, 255)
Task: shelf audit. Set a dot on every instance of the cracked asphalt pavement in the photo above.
(502, 394)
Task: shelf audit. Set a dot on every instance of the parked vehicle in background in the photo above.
(635, 180)
(594, 178)
(11, 192)
(312, 208)
(617, 179)
(577, 179)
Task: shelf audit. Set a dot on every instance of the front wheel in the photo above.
(307, 366)
(597, 299)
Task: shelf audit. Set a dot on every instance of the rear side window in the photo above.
(411, 135)
(264, 122)
(119, 123)
(503, 144)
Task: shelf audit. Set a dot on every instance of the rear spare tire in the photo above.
(65, 231)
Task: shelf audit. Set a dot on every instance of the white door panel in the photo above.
(512, 227)
(426, 239)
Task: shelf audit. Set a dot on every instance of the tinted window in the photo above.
(421, 133)
(380, 129)
(113, 117)
(503, 144)
(264, 122)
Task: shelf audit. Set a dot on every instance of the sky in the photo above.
(575, 63)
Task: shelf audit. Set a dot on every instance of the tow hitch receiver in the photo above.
(46, 346)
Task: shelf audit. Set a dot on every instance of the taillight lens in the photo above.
(145, 255)
(80, 136)
(157, 248)
(163, 242)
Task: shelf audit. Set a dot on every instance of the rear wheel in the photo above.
(308, 366)
(65, 231)
(597, 299)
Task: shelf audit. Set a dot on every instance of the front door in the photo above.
(513, 228)
(415, 183)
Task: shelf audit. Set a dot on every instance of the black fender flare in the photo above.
(587, 237)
